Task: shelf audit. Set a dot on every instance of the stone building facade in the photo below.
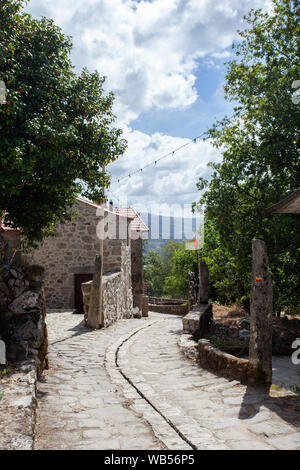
(138, 229)
(68, 258)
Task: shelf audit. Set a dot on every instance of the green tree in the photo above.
(167, 270)
(260, 165)
(153, 264)
(56, 127)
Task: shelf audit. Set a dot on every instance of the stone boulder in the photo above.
(29, 301)
(245, 324)
(244, 335)
(198, 320)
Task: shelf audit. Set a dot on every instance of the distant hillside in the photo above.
(162, 229)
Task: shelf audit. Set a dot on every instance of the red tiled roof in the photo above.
(106, 209)
(137, 224)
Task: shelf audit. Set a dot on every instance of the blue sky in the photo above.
(164, 61)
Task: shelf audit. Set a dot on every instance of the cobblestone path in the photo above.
(210, 412)
(129, 387)
(78, 406)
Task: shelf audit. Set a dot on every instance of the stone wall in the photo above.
(198, 320)
(117, 292)
(165, 301)
(227, 365)
(169, 306)
(73, 251)
(23, 313)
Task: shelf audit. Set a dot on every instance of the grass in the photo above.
(5, 371)
(295, 389)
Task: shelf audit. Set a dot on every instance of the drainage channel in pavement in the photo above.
(139, 403)
(142, 395)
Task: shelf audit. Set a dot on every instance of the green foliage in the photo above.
(167, 270)
(260, 165)
(153, 264)
(295, 389)
(56, 127)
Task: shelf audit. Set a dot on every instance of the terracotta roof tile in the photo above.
(137, 223)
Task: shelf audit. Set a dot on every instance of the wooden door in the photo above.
(78, 280)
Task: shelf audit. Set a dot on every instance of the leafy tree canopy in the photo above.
(167, 270)
(261, 164)
(56, 127)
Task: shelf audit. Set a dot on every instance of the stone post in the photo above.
(192, 289)
(145, 306)
(203, 283)
(261, 312)
(2, 353)
(94, 310)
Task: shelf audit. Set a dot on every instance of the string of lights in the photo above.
(154, 162)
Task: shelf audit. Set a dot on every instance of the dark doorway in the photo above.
(78, 280)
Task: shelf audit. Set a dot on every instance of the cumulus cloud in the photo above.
(150, 52)
(171, 180)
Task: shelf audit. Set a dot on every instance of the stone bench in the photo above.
(197, 321)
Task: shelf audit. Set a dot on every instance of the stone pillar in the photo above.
(94, 310)
(192, 289)
(261, 312)
(145, 306)
(203, 283)
(2, 353)
(137, 272)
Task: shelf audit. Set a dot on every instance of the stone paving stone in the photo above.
(222, 414)
(269, 428)
(249, 445)
(290, 442)
(78, 405)
(85, 402)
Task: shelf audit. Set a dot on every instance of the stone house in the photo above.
(68, 258)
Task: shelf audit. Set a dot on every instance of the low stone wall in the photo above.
(227, 365)
(117, 299)
(169, 306)
(197, 320)
(164, 301)
(23, 313)
(170, 309)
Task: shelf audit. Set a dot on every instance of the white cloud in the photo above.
(171, 180)
(148, 50)
(150, 53)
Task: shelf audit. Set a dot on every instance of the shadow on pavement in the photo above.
(287, 406)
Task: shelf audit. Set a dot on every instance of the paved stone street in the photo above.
(130, 387)
(79, 408)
